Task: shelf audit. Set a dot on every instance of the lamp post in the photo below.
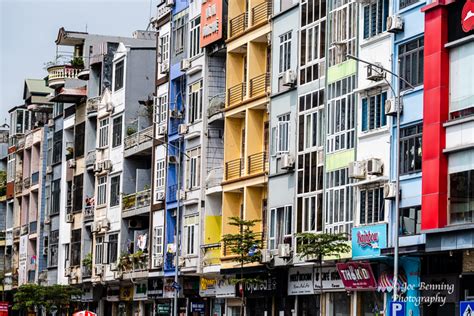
(397, 162)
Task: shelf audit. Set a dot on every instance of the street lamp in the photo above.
(397, 162)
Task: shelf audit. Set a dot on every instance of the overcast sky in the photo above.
(28, 29)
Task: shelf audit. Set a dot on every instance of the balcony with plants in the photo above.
(133, 265)
(59, 71)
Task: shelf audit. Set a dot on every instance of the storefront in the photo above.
(214, 291)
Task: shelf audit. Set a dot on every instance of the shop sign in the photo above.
(140, 293)
(198, 307)
(211, 21)
(163, 309)
(460, 19)
(367, 241)
(300, 281)
(155, 288)
(262, 287)
(23, 256)
(398, 308)
(216, 287)
(357, 276)
(330, 277)
(466, 308)
(3, 308)
(113, 293)
(87, 294)
(126, 293)
(168, 289)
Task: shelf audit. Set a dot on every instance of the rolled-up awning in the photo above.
(385, 282)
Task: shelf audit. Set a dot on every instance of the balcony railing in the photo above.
(171, 193)
(261, 12)
(238, 24)
(89, 212)
(90, 158)
(86, 272)
(92, 105)
(57, 74)
(234, 168)
(133, 262)
(138, 138)
(259, 84)
(257, 162)
(136, 200)
(236, 93)
(35, 178)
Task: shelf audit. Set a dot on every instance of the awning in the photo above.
(385, 282)
(84, 313)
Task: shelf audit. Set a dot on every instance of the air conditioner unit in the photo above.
(165, 67)
(169, 3)
(181, 194)
(104, 224)
(45, 251)
(71, 163)
(391, 107)
(98, 269)
(181, 262)
(107, 165)
(374, 166)
(135, 224)
(49, 169)
(357, 170)
(96, 227)
(389, 191)
(175, 113)
(394, 24)
(98, 166)
(162, 130)
(50, 123)
(185, 64)
(284, 251)
(266, 255)
(160, 195)
(113, 266)
(69, 218)
(110, 107)
(287, 161)
(182, 129)
(289, 78)
(375, 73)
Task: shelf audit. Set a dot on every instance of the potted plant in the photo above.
(77, 62)
(87, 261)
(131, 130)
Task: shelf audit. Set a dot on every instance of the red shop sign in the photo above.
(357, 276)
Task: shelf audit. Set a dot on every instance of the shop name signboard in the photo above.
(155, 288)
(309, 280)
(367, 241)
(357, 276)
(460, 19)
(140, 292)
(262, 287)
(211, 22)
(216, 287)
(330, 279)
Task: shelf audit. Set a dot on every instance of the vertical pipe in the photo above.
(397, 196)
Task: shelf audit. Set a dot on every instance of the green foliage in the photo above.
(246, 244)
(3, 183)
(319, 245)
(87, 261)
(30, 296)
(131, 130)
(77, 62)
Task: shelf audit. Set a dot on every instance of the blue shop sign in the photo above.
(466, 308)
(367, 241)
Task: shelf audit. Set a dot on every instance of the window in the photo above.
(67, 255)
(53, 242)
(310, 172)
(190, 232)
(112, 248)
(119, 75)
(461, 91)
(179, 33)
(57, 146)
(339, 202)
(157, 245)
(102, 190)
(195, 101)
(79, 134)
(58, 109)
(281, 135)
(410, 220)
(193, 168)
(55, 196)
(115, 190)
(194, 34)
(312, 48)
(160, 173)
(311, 213)
(280, 222)
(461, 196)
(411, 63)
(49, 154)
(104, 132)
(164, 48)
(285, 52)
(75, 247)
(161, 109)
(410, 149)
(99, 250)
(343, 19)
(310, 121)
(375, 18)
(11, 168)
(372, 206)
(406, 3)
(373, 112)
(117, 132)
(78, 191)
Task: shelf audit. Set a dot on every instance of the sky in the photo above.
(28, 29)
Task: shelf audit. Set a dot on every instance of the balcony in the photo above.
(210, 254)
(89, 213)
(171, 193)
(236, 94)
(134, 265)
(238, 24)
(139, 142)
(136, 203)
(90, 160)
(57, 75)
(261, 12)
(92, 106)
(234, 169)
(257, 163)
(259, 85)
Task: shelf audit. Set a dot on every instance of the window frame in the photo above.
(284, 61)
(193, 168)
(157, 248)
(194, 37)
(277, 234)
(115, 185)
(405, 169)
(376, 12)
(119, 75)
(117, 131)
(377, 214)
(405, 53)
(103, 131)
(102, 190)
(195, 95)
(376, 104)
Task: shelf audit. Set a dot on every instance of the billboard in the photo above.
(357, 276)
(212, 23)
(367, 241)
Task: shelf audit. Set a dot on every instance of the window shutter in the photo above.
(364, 115)
(273, 148)
(366, 21)
(382, 109)
(188, 173)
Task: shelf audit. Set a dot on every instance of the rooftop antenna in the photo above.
(86, 27)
